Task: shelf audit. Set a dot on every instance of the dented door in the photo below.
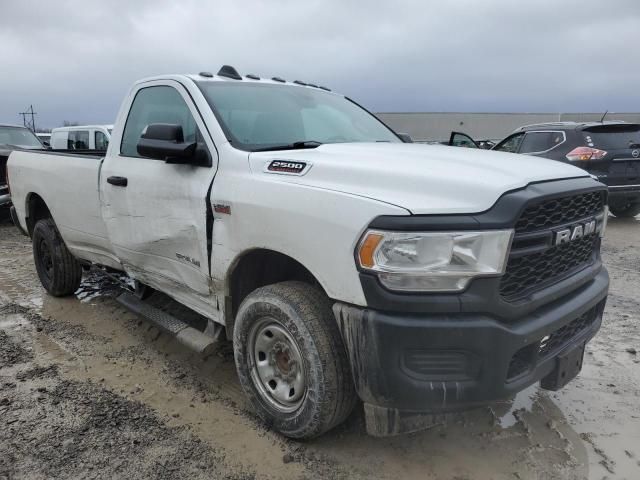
(156, 211)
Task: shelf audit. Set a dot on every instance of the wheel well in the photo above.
(258, 268)
(36, 210)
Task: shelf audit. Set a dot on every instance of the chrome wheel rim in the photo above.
(277, 367)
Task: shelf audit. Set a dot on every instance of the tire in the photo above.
(628, 211)
(59, 272)
(326, 395)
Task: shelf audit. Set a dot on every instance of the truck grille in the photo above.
(531, 272)
(559, 211)
(528, 273)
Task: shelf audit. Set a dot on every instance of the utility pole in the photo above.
(30, 124)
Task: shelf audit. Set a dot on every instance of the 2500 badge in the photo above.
(287, 166)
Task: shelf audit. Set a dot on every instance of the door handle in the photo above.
(118, 181)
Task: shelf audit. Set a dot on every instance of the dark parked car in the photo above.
(13, 137)
(608, 150)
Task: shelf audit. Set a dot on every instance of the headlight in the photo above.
(425, 261)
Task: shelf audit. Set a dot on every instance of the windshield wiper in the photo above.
(291, 146)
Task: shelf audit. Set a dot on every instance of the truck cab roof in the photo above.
(230, 74)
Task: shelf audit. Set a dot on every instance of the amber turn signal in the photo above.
(368, 248)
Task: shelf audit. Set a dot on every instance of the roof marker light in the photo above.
(229, 72)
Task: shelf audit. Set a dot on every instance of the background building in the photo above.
(481, 126)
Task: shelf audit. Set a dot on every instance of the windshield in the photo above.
(19, 137)
(613, 137)
(260, 116)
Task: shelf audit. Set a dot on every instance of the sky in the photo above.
(75, 60)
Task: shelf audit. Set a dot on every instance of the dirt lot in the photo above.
(88, 390)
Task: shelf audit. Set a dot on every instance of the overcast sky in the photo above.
(74, 60)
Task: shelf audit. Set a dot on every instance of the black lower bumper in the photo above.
(407, 364)
(624, 194)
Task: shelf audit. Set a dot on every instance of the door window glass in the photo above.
(540, 141)
(511, 144)
(461, 140)
(160, 104)
(78, 140)
(102, 142)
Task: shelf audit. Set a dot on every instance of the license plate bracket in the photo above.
(568, 365)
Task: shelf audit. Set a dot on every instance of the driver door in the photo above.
(156, 212)
(458, 139)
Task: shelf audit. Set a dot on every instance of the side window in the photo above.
(78, 140)
(160, 104)
(511, 144)
(101, 140)
(540, 141)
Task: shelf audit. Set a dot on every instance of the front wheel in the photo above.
(291, 360)
(626, 211)
(59, 272)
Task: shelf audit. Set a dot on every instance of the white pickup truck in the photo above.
(341, 262)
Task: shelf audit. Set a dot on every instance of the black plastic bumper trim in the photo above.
(377, 341)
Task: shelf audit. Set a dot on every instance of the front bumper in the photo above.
(408, 364)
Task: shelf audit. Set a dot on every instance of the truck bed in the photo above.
(68, 183)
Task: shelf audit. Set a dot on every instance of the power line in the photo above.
(30, 124)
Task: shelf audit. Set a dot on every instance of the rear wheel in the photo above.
(59, 272)
(291, 361)
(626, 211)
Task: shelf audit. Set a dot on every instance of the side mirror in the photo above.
(405, 137)
(164, 141)
(46, 144)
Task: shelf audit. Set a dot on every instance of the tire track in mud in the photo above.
(55, 428)
(79, 357)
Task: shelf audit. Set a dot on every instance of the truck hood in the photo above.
(421, 178)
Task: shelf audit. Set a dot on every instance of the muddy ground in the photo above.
(88, 390)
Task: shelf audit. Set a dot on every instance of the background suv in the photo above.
(608, 150)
